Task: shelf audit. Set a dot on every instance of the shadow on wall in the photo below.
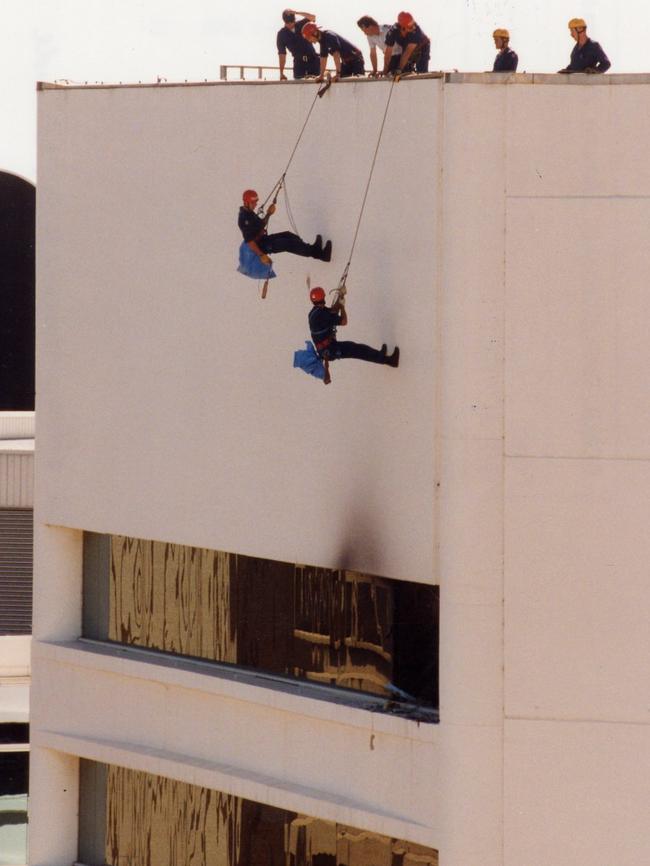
(17, 326)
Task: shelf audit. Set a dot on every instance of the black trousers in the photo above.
(419, 60)
(352, 66)
(304, 65)
(285, 242)
(347, 349)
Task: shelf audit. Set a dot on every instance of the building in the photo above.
(399, 620)
(16, 539)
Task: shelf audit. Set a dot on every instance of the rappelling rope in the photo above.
(280, 182)
(341, 286)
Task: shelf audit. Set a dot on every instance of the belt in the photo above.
(323, 343)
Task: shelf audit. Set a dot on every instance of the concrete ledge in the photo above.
(238, 782)
(501, 78)
(300, 698)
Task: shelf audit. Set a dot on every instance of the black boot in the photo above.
(326, 252)
(393, 360)
(318, 243)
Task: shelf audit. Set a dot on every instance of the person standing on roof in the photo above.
(506, 60)
(376, 34)
(323, 322)
(305, 59)
(348, 60)
(587, 56)
(415, 46)
(253, 228)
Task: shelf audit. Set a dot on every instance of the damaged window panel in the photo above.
(131, 817)
(337, 628)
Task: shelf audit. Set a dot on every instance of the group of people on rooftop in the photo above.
(401, 48)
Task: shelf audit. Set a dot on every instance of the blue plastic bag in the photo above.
(251, 266)
(307, 359)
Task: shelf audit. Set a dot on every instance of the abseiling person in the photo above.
(348, 59)
(587, 55)
(414, 43)
(323, 322)
(254, 230)
(506, 59)
(376, 35)
(305, 59)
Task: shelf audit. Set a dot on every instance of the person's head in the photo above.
(250, 199)
(311, 32)
(368, 25)
(578, 29)
(405, 22)
(317, 296)
(501, 38)
(289, 18)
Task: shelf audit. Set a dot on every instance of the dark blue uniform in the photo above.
(253, 228)
(588, 56)
(323, 322)
(351, 57)
(305, 59)
(419, 59)
(505, 61)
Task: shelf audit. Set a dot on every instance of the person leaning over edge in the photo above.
(414, 43)
(305, 59)
(506, 60)
(323, 322)
(253, 229)
(348, 60)
(587, 56)
(376, 34)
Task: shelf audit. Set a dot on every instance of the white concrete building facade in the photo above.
(506, 461)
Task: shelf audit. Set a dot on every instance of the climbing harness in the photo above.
(341, 288)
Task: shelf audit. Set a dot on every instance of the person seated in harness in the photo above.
(415, 45)
(305, 59)
(254, 230)
(348, 59)
(323, 322)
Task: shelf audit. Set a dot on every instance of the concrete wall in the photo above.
(506, 459)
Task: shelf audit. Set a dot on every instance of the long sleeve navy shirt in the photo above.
(295, 41)
(590, 55)
(506, 61)
(251, 226)
(412, 37)
(331, 42)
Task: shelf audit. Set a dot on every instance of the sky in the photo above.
(141, 40)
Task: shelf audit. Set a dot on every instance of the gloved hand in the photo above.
(266, 260)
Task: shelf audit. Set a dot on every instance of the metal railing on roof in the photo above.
(223, 72)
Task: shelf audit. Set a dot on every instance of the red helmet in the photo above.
(317, 295)
(249, 196)
(309, 30)
(405, 19)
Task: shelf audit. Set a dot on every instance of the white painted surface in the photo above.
(177, 355)
(16, 425)
(53, 807)
(520, 312)
(14, 655)
(17, 473)
(577, 594)
(576, 793)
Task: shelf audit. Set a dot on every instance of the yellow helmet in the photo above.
(578, 23)
(501, 31)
